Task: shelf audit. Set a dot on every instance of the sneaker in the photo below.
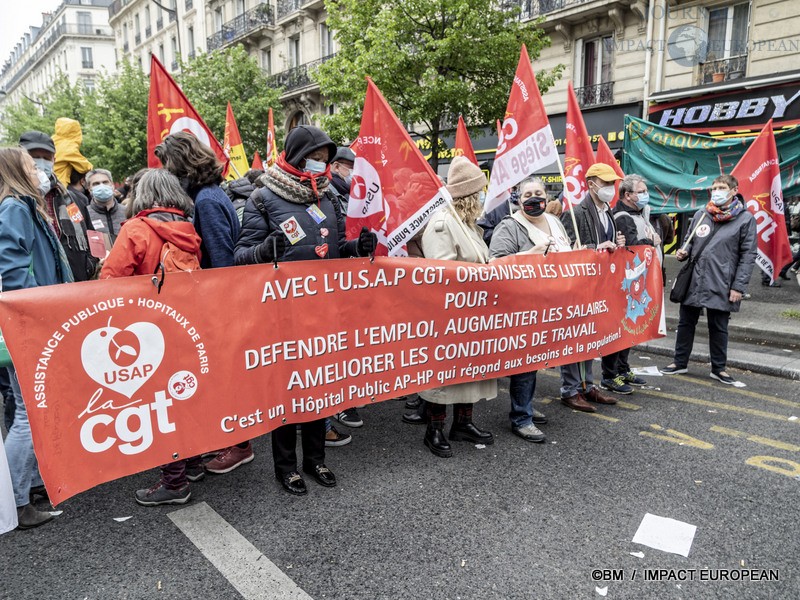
(230, 459)
(195, 473)
(158, 495)
(334, 438)
(539, 418)
(673, 369)
(723, 377)
(350, 418)
(529, 433)
(632, 379)
(616, 385)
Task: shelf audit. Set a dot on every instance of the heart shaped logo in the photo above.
(321, 250)
(123, 360)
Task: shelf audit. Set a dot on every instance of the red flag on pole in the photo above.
(169, 111)
(578, 154)
(605, 155)
(272, 147)
(233, 147)
(257, 164)
(394, 190)
(463, 145)
(759, 175)
(526, 143)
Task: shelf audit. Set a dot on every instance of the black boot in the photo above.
(418, 416)
(435, 440)
(464, 430)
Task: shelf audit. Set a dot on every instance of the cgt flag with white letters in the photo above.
(759, 176)
(525, 144)
(394, 190)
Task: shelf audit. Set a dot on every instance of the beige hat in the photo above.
(464, 178)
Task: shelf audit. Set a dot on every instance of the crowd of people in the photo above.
(46, 217)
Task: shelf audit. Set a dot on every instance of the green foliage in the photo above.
(212, 80)
(432, 61)
(40, 114)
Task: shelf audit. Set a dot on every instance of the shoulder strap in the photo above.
(259, 202)
(696, 256)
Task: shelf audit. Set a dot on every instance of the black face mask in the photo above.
(534, 207)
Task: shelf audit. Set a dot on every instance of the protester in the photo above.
(132, 191)
(69, 218)
(725, 234)
(69, 161)
(531, 230)
(30, 256)
(489, 221)
(342, 174)
(452, 234)
(597, 230)
(295, 200)
(632, 218)
(105, 213)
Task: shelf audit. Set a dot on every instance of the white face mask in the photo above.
(719, 197)
(606, 194)
(44, 181)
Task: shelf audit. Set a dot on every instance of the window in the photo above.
(299, 118)
(86, 58)
(266, 60)
(294, 51)
(137, 25)
(161, 53)
(84, 22)
(239, 7)
(727, 31)
(190, 35)
(147, 17)
(595, 82)
(88, 84)
(218, 20)
(174, 46)
(125, 34)
(325, 40)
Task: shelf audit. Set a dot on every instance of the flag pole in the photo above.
(572, 208)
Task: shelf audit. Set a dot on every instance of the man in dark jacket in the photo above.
(105, 213)
(70, 218)
(342, 174)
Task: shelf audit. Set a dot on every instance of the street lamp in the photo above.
(173, 11)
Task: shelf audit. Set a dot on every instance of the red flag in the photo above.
(272, 147)
(578, 154)
(463, 145)
(394, 190)
(233, 147)
(526, 143)
(257, 164)
(759, 178)
(605, 155)
(169, 111)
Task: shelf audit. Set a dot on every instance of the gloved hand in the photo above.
(367, 242)
(271, 248)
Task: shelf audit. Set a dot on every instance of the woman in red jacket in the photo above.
(162, 212)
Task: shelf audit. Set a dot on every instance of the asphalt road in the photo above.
(512, 520)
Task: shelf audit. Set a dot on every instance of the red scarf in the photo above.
(303, 175)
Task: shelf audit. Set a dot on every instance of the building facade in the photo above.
(75, 40)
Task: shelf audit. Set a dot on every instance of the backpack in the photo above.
(175, 260)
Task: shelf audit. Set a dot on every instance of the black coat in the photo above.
(589, 227)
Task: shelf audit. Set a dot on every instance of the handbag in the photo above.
(680, 287)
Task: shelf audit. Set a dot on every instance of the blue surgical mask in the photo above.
(642, 200)
(719, 197)
(315, 166)
(482, 197)
(348, 180)
(44, 165)
(102, 192)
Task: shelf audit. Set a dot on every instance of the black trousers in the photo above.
(616, 363)
(284, 446)
(717, 336)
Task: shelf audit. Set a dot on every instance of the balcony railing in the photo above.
(287, 7)
(247, 22)
(117, 6)
(725, 69)
(148, 31)
(137, 38)
(297, 77)
(595, 95)
(536, 8)
(87, 64)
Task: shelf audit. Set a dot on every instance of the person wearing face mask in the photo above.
(595, 223)
(105, 213)
(724, 235)
(296, 217)
(342, 174)
(70, 217)
(632, 217)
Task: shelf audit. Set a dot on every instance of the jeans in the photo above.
(616, 363)
(717, 336)
(19, 448)
(572, 381)
(8, 398)
(521, 389)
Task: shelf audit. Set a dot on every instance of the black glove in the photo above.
(271, 248)
(367, 242)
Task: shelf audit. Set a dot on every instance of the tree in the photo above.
(432, 61)
(211, 80)
(61, 99)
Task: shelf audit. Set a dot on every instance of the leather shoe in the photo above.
(594, 395)
(468, 432)
(414, 418)
(28, 517)
(322, 475)
(413, 402)
(437, 443)
(578, 402)
(292, 482)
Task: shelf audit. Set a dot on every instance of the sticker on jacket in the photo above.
(316, 213)
(703, 230)
(74, 213)
(98, 225)
(293, 230)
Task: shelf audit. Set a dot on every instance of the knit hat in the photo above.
(303, 140)
(464, 178)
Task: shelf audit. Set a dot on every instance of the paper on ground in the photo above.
(739, 384)
(602, 591)
(122, 519)
(651, 371)
(665, 534)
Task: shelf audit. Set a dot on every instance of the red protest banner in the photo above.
(759, 176)
(122, 378)
(169, 111)
(526, 143)
(394, 190)
(578, 154)
(463, 145)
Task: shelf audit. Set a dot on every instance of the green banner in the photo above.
(679, 167)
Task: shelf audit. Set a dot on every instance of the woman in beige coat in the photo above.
(452, 234)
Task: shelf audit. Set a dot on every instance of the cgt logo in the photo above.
(122, 360)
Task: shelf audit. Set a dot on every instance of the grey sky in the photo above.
(18, 16)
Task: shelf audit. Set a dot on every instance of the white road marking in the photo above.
(253, 575)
